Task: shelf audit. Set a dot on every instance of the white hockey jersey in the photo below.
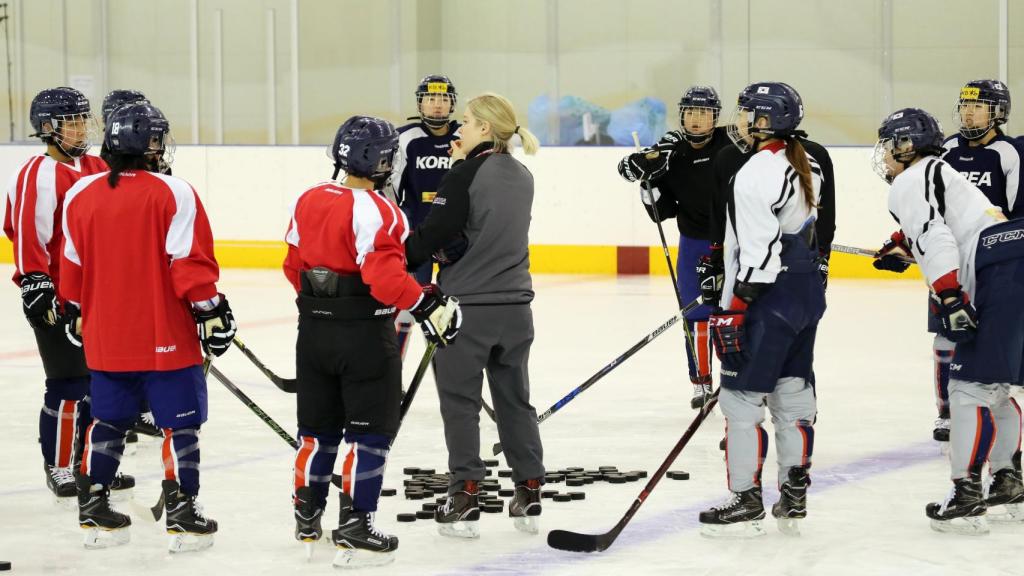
(941, 215)
(767, 202)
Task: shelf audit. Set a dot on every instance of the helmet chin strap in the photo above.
(698, 138)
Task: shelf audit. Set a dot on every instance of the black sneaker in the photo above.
(964, 509)
(525, 506)
(358, 541)
(459, 515)
(792, 504)
(743, 509)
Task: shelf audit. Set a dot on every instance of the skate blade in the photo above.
(309, 545)
(352, 558)
(98, 538)
(789, 526)
(739, 530)
(462, 529)
(966, 526)
(527, 524)
(184, 542)
(1010, 514)
(66, 503)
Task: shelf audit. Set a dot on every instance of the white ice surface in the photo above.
(875, 467)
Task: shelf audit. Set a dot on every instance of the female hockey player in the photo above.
(138, 267)
(63, 120)
(347, 263)
(771, 303)
(478, 231)
(678, 171)
(420, 163)
(971, 255)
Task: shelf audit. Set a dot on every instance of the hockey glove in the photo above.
(711, 275)
(646, 165)
(958, 316)
(39, 298)
(439, 316)
(892, 256)
(669, 141)
(822, 264)
(72, 320)
(216, 325)
(729, 335)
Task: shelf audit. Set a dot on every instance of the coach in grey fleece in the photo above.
(478, 230)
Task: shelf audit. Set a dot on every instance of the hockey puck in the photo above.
(427, 471)
(431, 506)
(490, 463)
(608, 468)
(575, 482)
(504, 473)
(506, 492)
(4, 565)
(574, 469)
(593, 473)
(388, 491)
(424, 514)
(561, 498)
(406, 517)
(588, 479)
(409, 472)
(554, 478)
(578, 495)
(548, 493)
(488, 472)
(616, 479)
(631, 476)
(678, 475)
(417, 495)
(639, 473)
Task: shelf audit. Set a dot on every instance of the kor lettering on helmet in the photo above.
(1009, 236)
(432, 162)
(978, 178)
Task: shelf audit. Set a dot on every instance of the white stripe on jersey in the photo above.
(1009, 159)
(46, 201)
(366, 222)
(70, 251)
(21, 210)
(180, 234)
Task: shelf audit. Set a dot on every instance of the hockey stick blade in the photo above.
(865, 252)
(576, 542)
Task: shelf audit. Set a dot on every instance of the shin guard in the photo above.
(104, 446)
(363, 472)
(314, 463)
(180, 455)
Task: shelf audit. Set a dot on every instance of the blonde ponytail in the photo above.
(499, 113)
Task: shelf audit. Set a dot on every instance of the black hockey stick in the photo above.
(611, 366)
(866, 252)
(285, 384)
(576, 542)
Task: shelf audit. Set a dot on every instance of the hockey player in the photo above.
(129, 232)
(62, 119)
(771, 303)
(420, 163)
(478, 231)
(347, 263)
(970, 255)
(117, 98)
(990, 160)
(680, 179)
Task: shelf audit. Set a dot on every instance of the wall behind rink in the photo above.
(586, 219)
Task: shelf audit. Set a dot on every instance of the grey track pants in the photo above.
(793, 409)
(495, 340)
(984, 424)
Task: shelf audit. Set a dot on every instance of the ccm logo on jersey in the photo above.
(1010, 236)
(978, 178)
(431, 162)
(166, 349)
(955, 367)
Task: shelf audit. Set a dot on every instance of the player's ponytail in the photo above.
(797, 157)
(498, 111)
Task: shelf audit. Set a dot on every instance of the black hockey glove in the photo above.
(72, 320)
(959, 318)
(822, 264)
(647, 164)
(893, 255)
(669, 141)
(216, 327)
(711, 275)
(439, 316)
(39, 298)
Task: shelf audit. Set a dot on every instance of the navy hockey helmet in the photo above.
(699, 98)
(433, 85)
(982, 106)
(777, 103)
(62, 116)
(365, 146)
(117, 98)
(139, 129)
(904, 135)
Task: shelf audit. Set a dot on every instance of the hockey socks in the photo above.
(104, 446)
(63, 420)
(699, 367)
(363, 471)
(180, 455)
(314, 463)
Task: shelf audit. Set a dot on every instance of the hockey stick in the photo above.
(576, 542)
(285, 384)
(645, 185)
(866, 252)
(611, 366)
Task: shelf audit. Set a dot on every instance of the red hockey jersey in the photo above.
(135, 257)
(35, 204)
(352, 231)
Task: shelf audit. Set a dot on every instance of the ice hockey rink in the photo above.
(875, 466)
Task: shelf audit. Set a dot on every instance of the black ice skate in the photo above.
(1006, 490)
(741, 516)
(941, 431)
(701, 392)
(121, 487)
(459, 515)
(963, 511)
(104, 527)
(146, 427)
(61, 481)
(359, 542)
(189, 528)
(525, 506)
(792, 504)
(307, 519)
